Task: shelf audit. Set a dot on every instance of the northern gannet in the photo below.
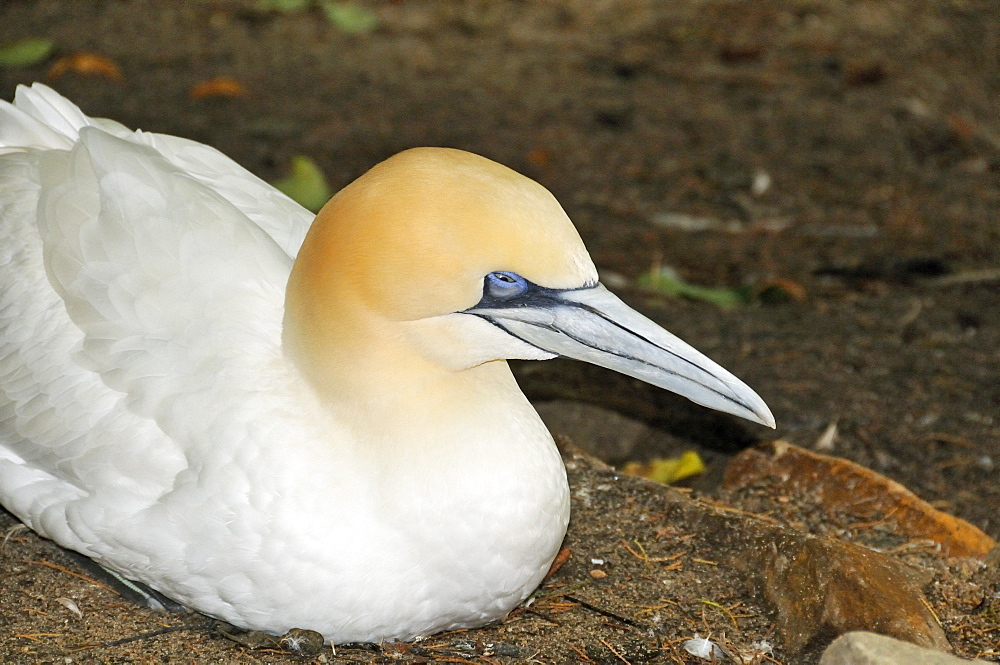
(283, 422)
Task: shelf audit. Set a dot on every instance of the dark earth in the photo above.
(838, 161)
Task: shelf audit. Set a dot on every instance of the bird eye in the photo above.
(505, 285)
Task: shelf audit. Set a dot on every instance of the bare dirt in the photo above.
(873, 248)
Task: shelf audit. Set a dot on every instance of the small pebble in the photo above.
(300, 640)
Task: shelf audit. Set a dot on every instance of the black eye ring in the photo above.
(504, 285)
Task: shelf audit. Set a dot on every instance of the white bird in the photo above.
(283, 422)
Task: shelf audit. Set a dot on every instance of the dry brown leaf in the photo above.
(220, 86)
(845, 487)
(87, 64)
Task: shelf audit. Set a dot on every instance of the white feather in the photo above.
(149, 419)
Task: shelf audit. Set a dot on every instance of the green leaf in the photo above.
(667, 282)
(306, 184)
(349, 17)
(24, 52)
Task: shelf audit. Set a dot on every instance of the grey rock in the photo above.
(863, 648)
(601, 432)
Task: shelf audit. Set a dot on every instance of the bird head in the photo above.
(462, 261)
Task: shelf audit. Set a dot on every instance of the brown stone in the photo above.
(818, 587)
(823, 587)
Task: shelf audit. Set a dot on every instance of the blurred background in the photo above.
(806, 191)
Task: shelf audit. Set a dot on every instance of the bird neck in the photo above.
(365, 370)
(359, 362)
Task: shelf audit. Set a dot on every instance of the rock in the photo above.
(841, 487)
(823, 587)
(819, 587)
(863, 648)
(601, 432)
(302, 641)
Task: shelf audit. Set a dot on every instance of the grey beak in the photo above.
(594, 325)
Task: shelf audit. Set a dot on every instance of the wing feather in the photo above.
(142, 302)
(163, 275)
(63, 432)
(42, 118)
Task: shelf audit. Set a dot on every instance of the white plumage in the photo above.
(372, 475)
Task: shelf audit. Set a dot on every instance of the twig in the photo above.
(61, 569)
(34, 636)
(145, 636)
(606, 613)
(542, 616)
(581, 652)
(933, 613)
(612, 650)
(645, 558)
(729, 614)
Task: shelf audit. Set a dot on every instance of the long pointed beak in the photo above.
(594, 325)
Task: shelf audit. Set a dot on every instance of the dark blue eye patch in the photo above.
(502, 285)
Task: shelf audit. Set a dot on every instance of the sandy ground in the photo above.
(840, 159)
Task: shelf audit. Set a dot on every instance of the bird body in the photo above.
(283, 422)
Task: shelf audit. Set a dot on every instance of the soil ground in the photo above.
(840, 158)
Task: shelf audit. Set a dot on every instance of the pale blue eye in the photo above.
(504, 285)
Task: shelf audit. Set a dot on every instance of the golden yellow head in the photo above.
(410, 242)
(438, 261)
(415, 236)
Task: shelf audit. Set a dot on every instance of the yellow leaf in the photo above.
(667, 470)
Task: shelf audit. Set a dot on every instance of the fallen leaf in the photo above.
(87, 64)
(306, 184)
(664, 280)
(962, 127)
(220, 86)
(25, 52)
(561, 558)
(667, 470)
(348, 17)
(841, 486)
